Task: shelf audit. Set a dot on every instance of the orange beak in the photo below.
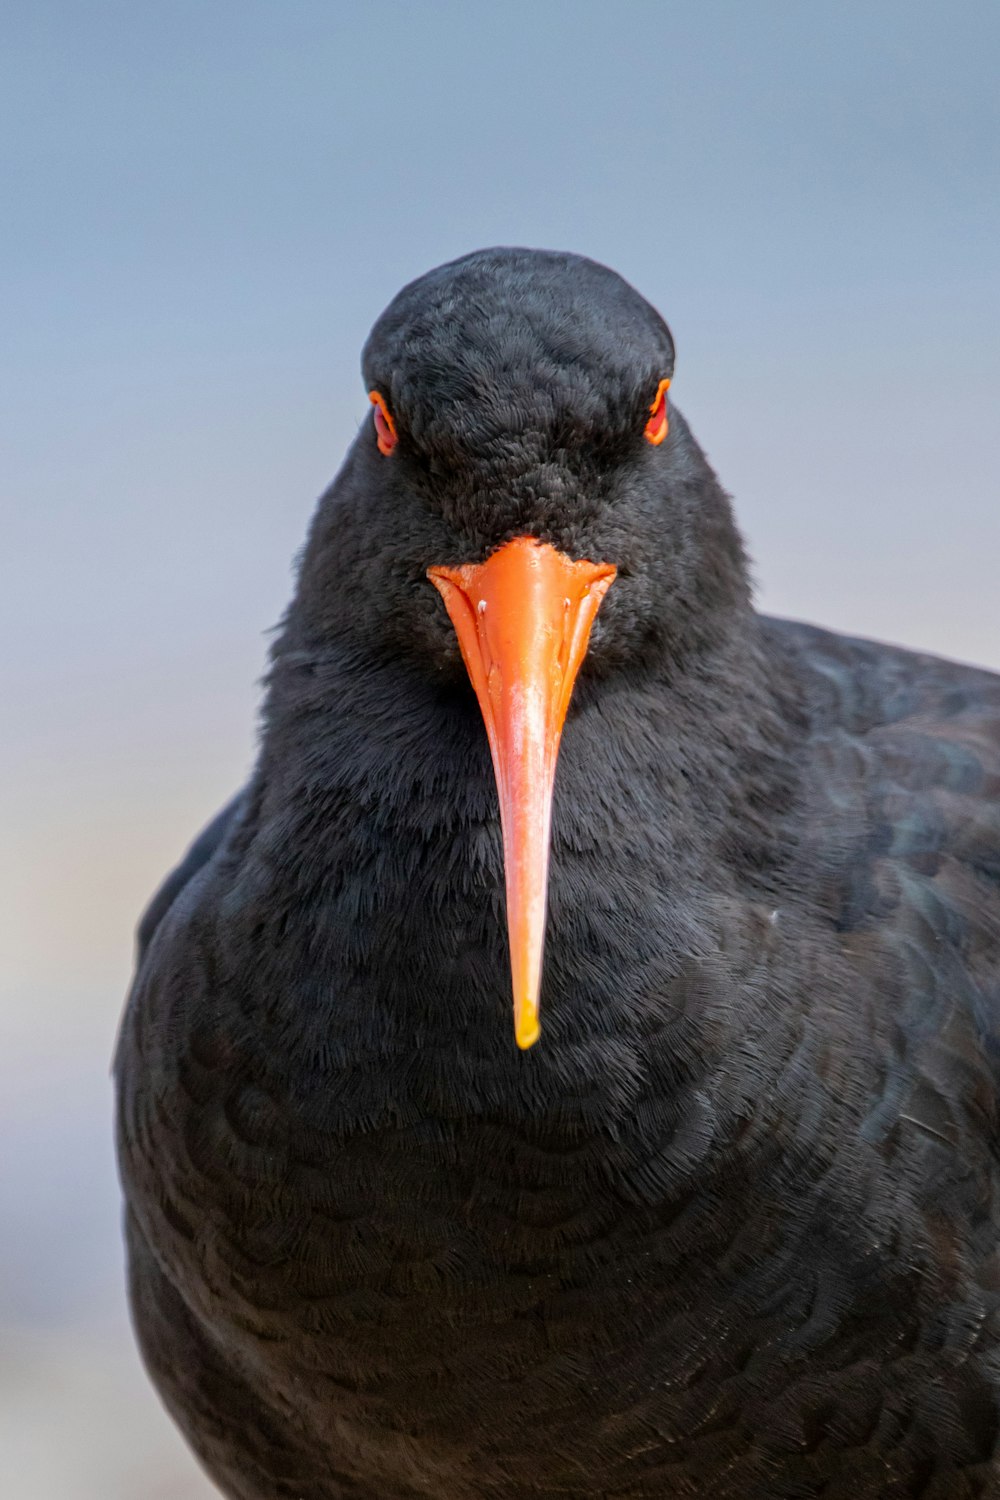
(523, 621)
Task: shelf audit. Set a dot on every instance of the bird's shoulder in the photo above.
(907, 743)
(862, 685)
(198, 855)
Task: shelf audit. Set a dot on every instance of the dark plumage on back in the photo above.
(729, 1229)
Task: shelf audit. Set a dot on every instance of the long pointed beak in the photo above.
(523, 621)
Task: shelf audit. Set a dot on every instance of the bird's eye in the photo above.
(385, 427)
(656, 428)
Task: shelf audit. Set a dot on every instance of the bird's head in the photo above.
(522, 460)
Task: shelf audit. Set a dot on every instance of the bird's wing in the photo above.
(907, 751)
(196, 858)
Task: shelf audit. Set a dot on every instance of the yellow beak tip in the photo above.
(527, 1033)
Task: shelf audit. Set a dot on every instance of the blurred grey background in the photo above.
(204, 204)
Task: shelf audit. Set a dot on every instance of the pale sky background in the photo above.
(203, 207)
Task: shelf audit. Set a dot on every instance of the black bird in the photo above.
(729, 1229)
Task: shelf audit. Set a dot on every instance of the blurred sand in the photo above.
(79, 1421)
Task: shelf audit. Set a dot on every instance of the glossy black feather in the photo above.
(199, 854)
(730, 1228)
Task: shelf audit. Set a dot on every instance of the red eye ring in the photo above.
(657, 427)
(385, 427)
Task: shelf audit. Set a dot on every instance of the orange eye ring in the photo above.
(657, 427)
(385, 427)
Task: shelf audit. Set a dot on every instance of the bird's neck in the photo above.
(701, 756)
(672, 805)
